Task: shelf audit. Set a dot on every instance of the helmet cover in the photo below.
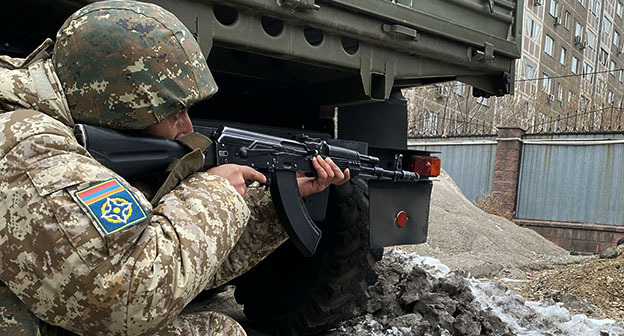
(129, 65)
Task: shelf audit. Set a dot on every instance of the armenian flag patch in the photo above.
(112, 205)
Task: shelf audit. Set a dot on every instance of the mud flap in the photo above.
(399, 212)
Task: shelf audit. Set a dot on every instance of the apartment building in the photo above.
(572, 56)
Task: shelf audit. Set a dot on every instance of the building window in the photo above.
(483, 101)
(582, 2)
(588, 72)
(610, 98)
(621, 75)
(559, 92)
(570, 95)
(612, 68)
(545, 83)
(616, 39)
(619, 9)
(552, 10)
(548, 45)
(594, 5)
(606, 25)
(578, 29)
(533, 29)
(529, 69)
(566, 20)
(459, 89)
(562, 58)
(603, 56)
(574, 65)
(591, 39)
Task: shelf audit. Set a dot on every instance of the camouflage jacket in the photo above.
(131, 276)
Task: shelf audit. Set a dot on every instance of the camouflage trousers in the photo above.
(16, 320)
(262, 235)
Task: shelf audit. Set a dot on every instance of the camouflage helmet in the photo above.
(129, 65)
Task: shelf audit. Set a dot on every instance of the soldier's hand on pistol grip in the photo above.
(237, 175)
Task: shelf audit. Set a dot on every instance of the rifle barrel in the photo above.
(395, 175)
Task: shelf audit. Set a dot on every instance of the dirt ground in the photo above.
(594, 287)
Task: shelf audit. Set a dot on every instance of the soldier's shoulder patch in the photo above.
(111, 205)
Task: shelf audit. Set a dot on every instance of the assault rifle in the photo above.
(133, 155)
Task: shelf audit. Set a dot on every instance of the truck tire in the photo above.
(289, 294)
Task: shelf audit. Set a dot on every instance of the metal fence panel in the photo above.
(468, 160)
(572, 182)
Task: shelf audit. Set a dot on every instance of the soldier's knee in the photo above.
(203, 323)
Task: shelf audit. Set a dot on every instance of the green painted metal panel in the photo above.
(470, 21)
(384, 43)
(366, 47)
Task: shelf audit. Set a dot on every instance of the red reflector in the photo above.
(426, 166)
(401, 219)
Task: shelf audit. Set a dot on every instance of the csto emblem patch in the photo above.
(112, 205)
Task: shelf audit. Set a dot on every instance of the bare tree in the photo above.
(449, 109)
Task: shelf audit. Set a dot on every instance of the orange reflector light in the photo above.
(401, 219)
(426, 166)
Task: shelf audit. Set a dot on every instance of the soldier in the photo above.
(82, 248)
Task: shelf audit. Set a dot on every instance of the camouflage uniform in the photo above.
(59, 261)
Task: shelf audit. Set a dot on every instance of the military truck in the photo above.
(330, 69)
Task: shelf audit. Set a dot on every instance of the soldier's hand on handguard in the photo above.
(237, 175)
(327, 173)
